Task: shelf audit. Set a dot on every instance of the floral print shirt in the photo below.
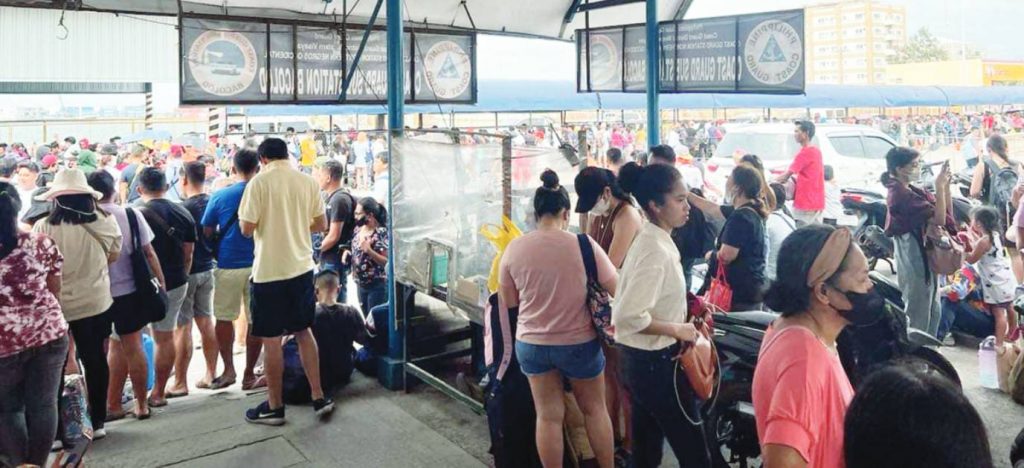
(366, 270)
(30, 314)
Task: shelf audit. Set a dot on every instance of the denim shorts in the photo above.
(580, 361)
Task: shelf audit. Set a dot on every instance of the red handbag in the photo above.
(719, 293)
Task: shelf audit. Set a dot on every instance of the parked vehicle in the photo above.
(856, 152)
(732, 431)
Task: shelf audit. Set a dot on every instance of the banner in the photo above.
(758, 53)
(225, 62)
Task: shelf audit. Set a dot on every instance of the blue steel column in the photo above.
(653, 76)
(392, 370)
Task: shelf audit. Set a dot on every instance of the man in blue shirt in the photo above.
(235, 254)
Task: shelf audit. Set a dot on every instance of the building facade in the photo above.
(849, 42)
(972, 72)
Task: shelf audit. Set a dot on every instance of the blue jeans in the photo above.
(342, 271)
(657, 416)
(372, 295)
(29, 382)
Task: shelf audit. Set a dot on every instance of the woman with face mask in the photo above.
(742, 245)
(650, 319)
(911, 209)
(800, 391)
(543, 275)
(614, 223)
(370, 253)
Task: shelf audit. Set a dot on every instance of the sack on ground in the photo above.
(1006, 357)
(1016, 380)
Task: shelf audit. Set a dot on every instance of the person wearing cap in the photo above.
(49, 169)
(614, 223)
(108, 160)
(90, 240)
(800, 391)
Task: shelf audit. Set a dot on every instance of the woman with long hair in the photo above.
(33, 338)
(370, 253)
(800, 391)
(742, 245)
(90, 240)
(997, 161)
(542, 274)
(650, 319)
(911, 210)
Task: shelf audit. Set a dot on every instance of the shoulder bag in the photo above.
(152, 298)
(599, 302)
(699, 360)
(945, 253)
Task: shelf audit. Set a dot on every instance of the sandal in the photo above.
(173, 394)
(205, 385)
(218, 384)
(153, 403)
(115, 415)
(144, 416)
(255, 383)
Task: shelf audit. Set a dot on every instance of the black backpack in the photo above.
(1001, 182)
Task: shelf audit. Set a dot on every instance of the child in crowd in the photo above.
(986, 252)
(833, 204)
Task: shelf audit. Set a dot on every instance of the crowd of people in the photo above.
(104, 245)
(149, 242)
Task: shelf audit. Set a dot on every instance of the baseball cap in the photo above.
(49, 160)
(84, 143)
(590, 183)
(110, 149)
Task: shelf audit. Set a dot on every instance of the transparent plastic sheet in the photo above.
(442, 193)
(528, 162)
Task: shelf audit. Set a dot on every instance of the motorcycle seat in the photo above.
(756, 318)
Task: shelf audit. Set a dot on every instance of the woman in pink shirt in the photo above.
(800, 390)
(542, 274)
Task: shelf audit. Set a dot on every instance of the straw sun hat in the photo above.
(69, 182)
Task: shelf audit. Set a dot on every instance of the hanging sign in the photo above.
(758, 53)
(225, 61)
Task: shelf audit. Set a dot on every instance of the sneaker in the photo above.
(57, 446)
(323, 406)
(262, 414)
(949, 340)
(99, 433)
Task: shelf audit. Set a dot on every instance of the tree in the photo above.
(923, 47)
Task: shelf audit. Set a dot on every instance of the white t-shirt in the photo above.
(778, 226)
(833, 205)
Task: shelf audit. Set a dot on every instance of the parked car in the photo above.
(856, 152)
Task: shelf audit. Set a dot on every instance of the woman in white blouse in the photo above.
(649, 315)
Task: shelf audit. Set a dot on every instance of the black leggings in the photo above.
(89, 334)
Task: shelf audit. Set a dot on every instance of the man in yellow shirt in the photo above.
(307, 152)
(280, 209)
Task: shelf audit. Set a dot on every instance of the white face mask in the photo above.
(602, 207)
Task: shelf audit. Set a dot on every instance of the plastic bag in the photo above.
(500, 237)
(719, 293)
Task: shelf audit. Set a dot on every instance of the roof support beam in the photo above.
(606, 4)
(351, 72)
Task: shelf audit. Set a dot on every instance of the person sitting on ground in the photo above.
(336, 327)
(902, 417)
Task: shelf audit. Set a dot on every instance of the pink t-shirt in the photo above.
(801, 394)
(546, 268)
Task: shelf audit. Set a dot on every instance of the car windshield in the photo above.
(769, 146)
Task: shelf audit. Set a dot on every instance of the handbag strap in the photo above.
(589, 264)
(133, 228)
(162, 224)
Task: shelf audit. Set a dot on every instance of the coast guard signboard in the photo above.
(758, 53)
(251, 61)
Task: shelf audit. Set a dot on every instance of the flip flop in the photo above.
(157, 403)
(141, 417)
(219, 384)
(258, 382)
(173, 394)
(115, 416)
(205, 385)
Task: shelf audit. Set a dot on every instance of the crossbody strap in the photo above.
(587, 250)
(133, 229)
(162, 224)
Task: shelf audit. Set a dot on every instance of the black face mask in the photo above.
(360, 222)
(867, 308)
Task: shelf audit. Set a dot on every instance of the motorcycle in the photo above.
(730, 424)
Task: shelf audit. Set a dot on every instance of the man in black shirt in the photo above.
(174, 238)
(341, 222)
(692, 239)
(198, 303)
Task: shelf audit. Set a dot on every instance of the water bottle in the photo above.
(987, 367)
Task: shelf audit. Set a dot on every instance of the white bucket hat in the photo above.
(69, 182)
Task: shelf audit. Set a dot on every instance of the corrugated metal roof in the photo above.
(98, 47)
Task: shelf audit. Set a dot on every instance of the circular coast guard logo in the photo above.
(223, 63)
(448, 69)
(773, 52)
(605, 64)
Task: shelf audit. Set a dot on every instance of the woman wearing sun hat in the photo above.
(90, 240)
